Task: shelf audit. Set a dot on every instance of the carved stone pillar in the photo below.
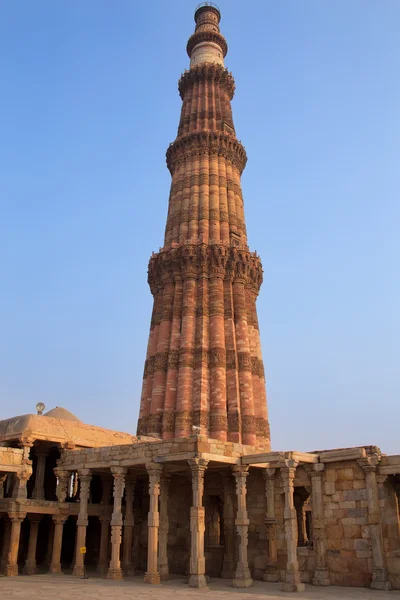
(242, 577)
(38, 490)
(380, 580)
(82, 522)
(62, 484)
(30, 563)
(197, 576)
(153, 522)
(321, 574)
(12, 556)
(228, 567)
(3, 478)
(127, 565)
(20, 481)
(271, 572)
(55, 565)
(292, 578)
(114, 570)
(75, 484)
(164, 528)
(300, 506)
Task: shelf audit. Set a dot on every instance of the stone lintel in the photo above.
(339, 455)
(278, 458)
(184, 456)
(390, 465)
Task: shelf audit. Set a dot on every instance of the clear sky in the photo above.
(88, 106)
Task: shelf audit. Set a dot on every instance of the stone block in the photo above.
(362, 544)
(347, 544)
(330, 475)
(338, 496)
(351, 531)
(355, 495)
(344, 485)
(357, 512)
(334, 531)
(329, 488)
(345, 474)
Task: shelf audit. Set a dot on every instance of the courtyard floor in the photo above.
(67, 587)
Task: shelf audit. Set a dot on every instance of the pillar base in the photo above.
(152, 578)
(55, 569)
(242, 583)
(197, 581)
(271, 575)
(11, 570)
(321, 577)
(381, 585)
(30, 567)
(115, 574)
(79, 571)
(293, 587)
(380, 580)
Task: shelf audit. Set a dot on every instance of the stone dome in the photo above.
(61, 413)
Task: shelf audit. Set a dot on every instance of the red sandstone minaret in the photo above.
(204, 366)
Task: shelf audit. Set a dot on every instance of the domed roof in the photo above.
(61, 413)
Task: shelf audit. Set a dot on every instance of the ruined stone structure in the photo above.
(198, 492)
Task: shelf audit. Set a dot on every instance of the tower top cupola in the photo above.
(207, 44)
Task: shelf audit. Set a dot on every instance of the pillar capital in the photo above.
(369, 464)
(316, 470)
(59, 519)
(269, 473)
(198, 464)
(16, 516)
(118, 472)
(85, 475)
(240, 470)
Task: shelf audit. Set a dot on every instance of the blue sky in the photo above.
(88, 106)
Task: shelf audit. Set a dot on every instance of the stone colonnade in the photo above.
(235, 567)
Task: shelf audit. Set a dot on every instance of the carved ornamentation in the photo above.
(154, 423)
(248, 424)
(231, 359)
(208, 142)
(208, 72)
(234, 422)
(161, 361)
(218, 423)
(186, 358)
(244, 361)
(217, 357)
(173, 359)
(168, 424)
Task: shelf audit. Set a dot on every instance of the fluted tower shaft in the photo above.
(204, 366)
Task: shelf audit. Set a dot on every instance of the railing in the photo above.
(206, 4)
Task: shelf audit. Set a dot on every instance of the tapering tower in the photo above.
(204, 366)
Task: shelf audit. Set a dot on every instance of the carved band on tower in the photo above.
(204, 365)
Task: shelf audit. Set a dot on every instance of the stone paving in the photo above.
(67, 587)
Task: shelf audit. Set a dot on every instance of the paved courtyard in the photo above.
(67, 587)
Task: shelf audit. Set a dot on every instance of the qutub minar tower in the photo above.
(204, 366)
(198, 492)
